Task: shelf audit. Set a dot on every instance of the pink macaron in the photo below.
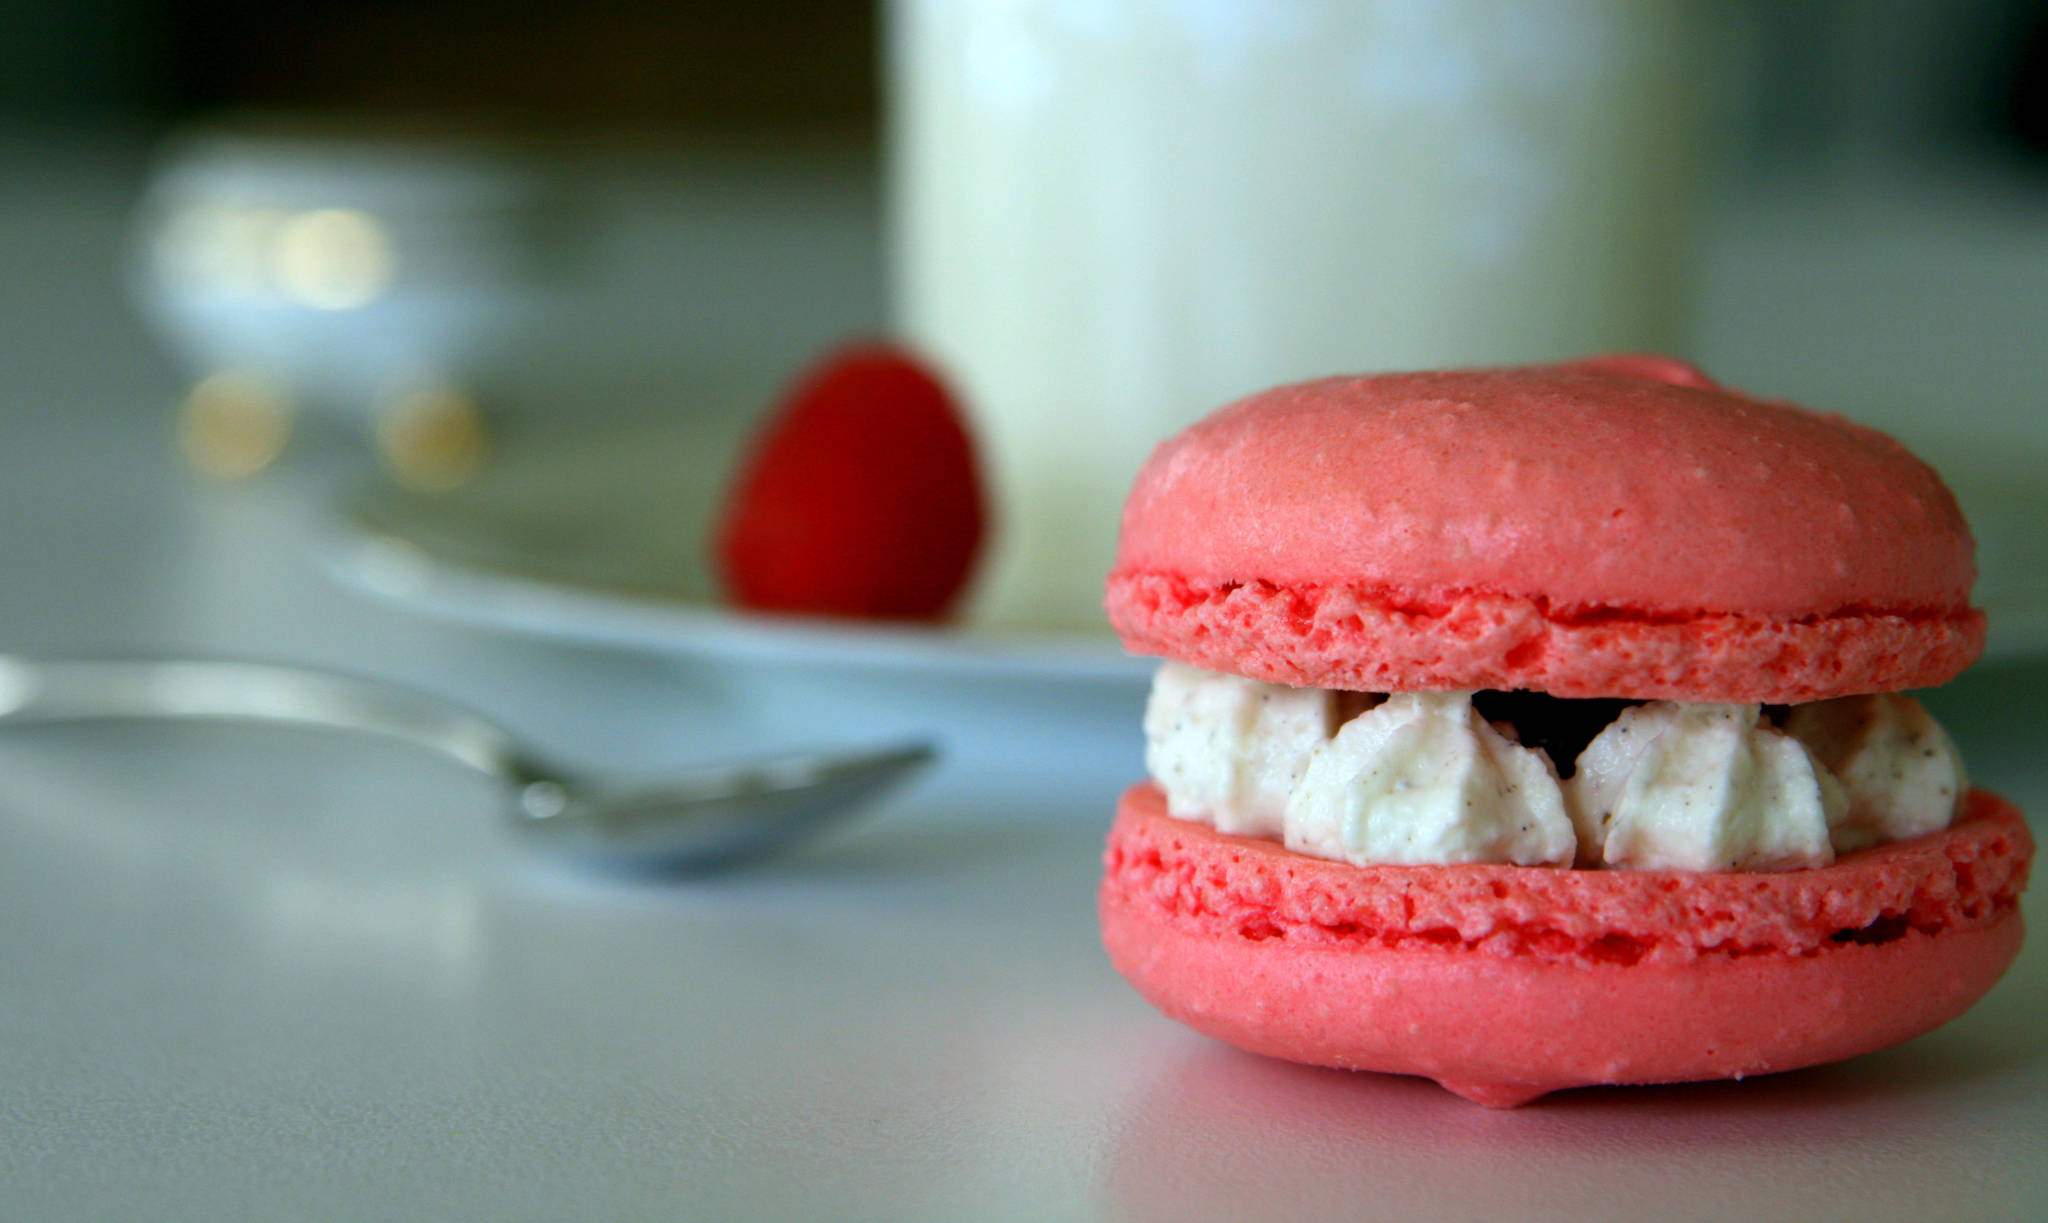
(1619, 528)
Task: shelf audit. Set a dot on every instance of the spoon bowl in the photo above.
(712, 818)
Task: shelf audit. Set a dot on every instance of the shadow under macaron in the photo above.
(1910, 1132)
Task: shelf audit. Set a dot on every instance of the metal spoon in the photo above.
(703, 820)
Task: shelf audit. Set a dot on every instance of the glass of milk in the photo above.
(1111, 216)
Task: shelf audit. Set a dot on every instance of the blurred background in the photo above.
(350, 332)
(564, 256)
(1957, 74)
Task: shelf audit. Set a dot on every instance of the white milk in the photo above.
(1110, 216)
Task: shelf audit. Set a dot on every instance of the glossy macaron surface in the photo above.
(1612, 527)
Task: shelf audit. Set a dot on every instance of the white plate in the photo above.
(598, 539)
(396, 569)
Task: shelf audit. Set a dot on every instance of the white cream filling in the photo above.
(1421, 778)
(1902, 772)
(1229, 750)
(1696, 787)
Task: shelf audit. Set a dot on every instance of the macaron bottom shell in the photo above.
(1502, 1029)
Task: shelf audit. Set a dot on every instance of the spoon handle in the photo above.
(71, 690)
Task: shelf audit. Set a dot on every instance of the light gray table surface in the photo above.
(272, 975)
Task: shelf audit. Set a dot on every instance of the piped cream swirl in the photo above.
(1422, 778)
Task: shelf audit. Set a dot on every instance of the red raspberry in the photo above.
(859, 497)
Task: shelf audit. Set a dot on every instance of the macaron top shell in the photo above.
(1618, 490)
